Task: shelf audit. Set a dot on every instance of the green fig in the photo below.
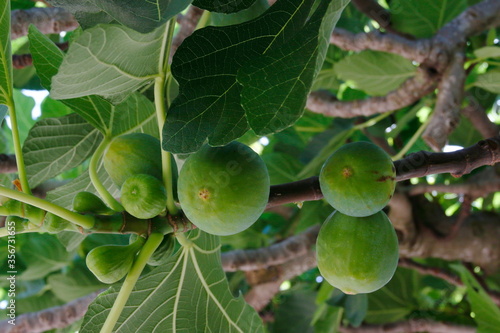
(358, 179)
(357, 254)
(224, 190)
(143, 196)
(132, 154)
(86, 202)
(110, 263)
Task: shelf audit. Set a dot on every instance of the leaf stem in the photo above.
(21, 169)
(94, 177)
(412, 140)
(85, 221)
(152, 243)
(161, 114)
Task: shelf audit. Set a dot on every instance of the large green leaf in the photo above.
(63, 195)
(227, 6)
(487, 314)
(110, 61)
(187, 294)
(489, 81)
(376, 73)
(135, 112)
(205, 65)
(76, 282)
(140, 15)
(276, 85)
(395, 300)
(42, 254)
(5, 54)
(55, 145)
(423, 18)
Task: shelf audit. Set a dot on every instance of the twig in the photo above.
(479, 119)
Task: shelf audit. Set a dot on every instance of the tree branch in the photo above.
(51, 20)
(48, 319)
(8, 163)
(446, 114)
(292, 247)
(408, 93)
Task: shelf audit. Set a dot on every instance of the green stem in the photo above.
(5, 232)
(412, 141)
(152, 243)
(161, 114)
(85, 221)
(372, 121)
(94, 177)
(21, 169)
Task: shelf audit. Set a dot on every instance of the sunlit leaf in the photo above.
(187, 294)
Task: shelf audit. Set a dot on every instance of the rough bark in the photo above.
(49, 20)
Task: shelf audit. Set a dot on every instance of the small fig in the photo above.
(132, 154)
(86, 202)
(358, 179)
(110, 263)
(357, 254)
(224, 190)
(54, 224)
(143, 196)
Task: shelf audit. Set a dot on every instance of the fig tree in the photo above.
(143, 196)
(357, 254)
(358, 179)
(224, 190)
(132, 154)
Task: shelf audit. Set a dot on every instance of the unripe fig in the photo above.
(357, 254)
(143, 196)
(224, 190)
(132, 154)
(358, 179)
(86, 202)
(54, 224)
(110, 263)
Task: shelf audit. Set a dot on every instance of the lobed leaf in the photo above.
(187, 294)
(110, 61)
(55, 145)
(140, 15)
(208, 106)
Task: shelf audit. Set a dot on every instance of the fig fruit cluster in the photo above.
(133, 162)
(357, 246)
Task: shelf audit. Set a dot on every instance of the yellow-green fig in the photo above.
(358, 179)
(224, 190)
(357, 254)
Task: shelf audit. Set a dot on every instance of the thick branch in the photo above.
(293, 247)
(423, 163)
(447, 111)
(411, 326)
(50, 20)
(408, 93)
(48, 319)
(378, 41)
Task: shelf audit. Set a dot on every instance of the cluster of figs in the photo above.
(224, 190)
